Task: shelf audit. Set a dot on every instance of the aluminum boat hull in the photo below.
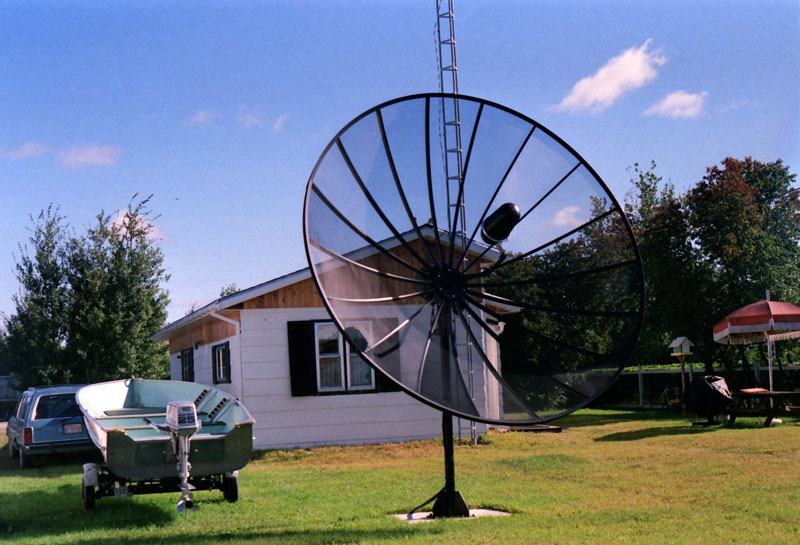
(120, 414)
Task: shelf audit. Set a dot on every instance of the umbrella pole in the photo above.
(769, 367)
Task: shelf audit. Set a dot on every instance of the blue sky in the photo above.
(221, 112)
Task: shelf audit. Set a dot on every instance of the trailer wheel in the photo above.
(230, 487)
(88, 496)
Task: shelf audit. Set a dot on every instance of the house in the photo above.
(275, 348)
(8, 395)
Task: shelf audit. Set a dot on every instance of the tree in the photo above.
(36, 334)
(88, 305)
(117, 303)
(745, 222)
(230, 289)
(674, 280)
(714, 249)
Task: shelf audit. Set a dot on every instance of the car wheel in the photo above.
(88, 496)
(230, 488)
(25, 460)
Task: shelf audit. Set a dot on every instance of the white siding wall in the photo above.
(203, 371)
(284, 421)
(260, 379)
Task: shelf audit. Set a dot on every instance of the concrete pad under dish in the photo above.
(425, 516)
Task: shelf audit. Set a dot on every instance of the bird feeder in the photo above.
(681, 347)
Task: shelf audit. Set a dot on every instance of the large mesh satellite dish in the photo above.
(422, 270)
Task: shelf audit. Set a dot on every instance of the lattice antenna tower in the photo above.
(453, 161)
(451, 118)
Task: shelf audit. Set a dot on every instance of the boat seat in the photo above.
(212, 416)
(136, 411)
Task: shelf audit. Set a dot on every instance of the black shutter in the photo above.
(302, 358)
(389, 357)
(187, 365)
(226, 354)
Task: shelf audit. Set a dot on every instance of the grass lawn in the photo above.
(611, 477)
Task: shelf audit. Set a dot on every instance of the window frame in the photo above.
(225, 366)
(317, 356)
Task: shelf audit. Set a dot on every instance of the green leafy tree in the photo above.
(746, 221)
(744, 218)
(230, 289)
(35, 336)
(115, 274)
(88, 305)
(712, 250)
(675, 281)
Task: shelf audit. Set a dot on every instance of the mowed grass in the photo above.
(610, 477)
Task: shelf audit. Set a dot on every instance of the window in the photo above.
(23, 406)
(330, 364)
(221, 361)
(56, 406)
(321, 362)
(187, 365)
(339, 367)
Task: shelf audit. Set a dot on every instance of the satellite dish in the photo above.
(422, 270)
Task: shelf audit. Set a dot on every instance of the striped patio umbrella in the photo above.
(762, 322)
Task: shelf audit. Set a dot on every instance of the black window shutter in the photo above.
(302, 358)
(187, 365)
(385, 384)
(226, 354)
(389, 357)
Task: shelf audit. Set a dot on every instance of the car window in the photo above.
(23, 406)
(57, 406)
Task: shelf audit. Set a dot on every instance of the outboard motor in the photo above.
(181, 423)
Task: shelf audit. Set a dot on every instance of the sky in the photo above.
(220, 111)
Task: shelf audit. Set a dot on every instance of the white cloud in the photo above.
(567, 217)
(628, 71)
(280, 122)
(89, 156)
(249, 118)
(30, 149)
(679, 104)
(202, 117)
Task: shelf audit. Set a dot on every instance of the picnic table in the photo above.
(762, 402)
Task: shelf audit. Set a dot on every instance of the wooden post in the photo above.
(641, 388)
(683, 373)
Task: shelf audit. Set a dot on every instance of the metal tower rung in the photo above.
(452, 123)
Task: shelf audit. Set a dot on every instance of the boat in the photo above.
(164, 435)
